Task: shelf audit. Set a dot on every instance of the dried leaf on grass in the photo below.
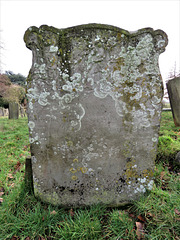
(132, 215)
(150, 215)
(71, 212)
(162, 174)
(1, 193)
(17, 166)
(140, 230)
(10, 176)
(1, 199)
(11, 185)
(141, 218)
(15, 238)
(176, 211)
(53, 212)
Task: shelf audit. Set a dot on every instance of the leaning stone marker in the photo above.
(173, 87)
(94, 111)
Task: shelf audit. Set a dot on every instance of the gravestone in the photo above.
(94, 112)
(4, 112)
(22, 111)
(13, 110)
(173, 87)
(1, 112)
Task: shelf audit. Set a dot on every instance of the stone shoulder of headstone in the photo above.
(94, 107)
(34, 34)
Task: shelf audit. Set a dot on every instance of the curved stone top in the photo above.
(80, 28)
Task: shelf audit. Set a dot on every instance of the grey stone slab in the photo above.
(94, 112)
(13, 110)
(173, 87)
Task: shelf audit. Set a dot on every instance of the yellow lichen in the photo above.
(64, 119)
(70, 143)
(148, 173)
(74, 178)
(83, 169)
(119, 63)
(119, 36)
(131, 171)
(53, 60)
(73, 170)
(75, 160)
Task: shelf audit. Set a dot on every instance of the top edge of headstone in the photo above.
(173, 79)
(95, 26)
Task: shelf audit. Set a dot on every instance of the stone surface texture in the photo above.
(94, 111)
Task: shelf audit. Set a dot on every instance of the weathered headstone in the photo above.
(173, 87)
(13, 110)
(1, 112)
(4, 112)
(94, 111)
(22, 111)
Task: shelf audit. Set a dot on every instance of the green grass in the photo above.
(14, 147)
(169, 140)
(155, 216)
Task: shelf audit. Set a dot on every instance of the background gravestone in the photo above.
(4, 112)
(94, 111)
(173, 87)
(1, 112)
(22, 111)
(13, 110)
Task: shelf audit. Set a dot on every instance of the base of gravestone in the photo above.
(173, 87)
(13, 111)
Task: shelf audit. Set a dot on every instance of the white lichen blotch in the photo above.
(53, 49)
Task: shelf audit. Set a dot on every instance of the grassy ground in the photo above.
(155, 216)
